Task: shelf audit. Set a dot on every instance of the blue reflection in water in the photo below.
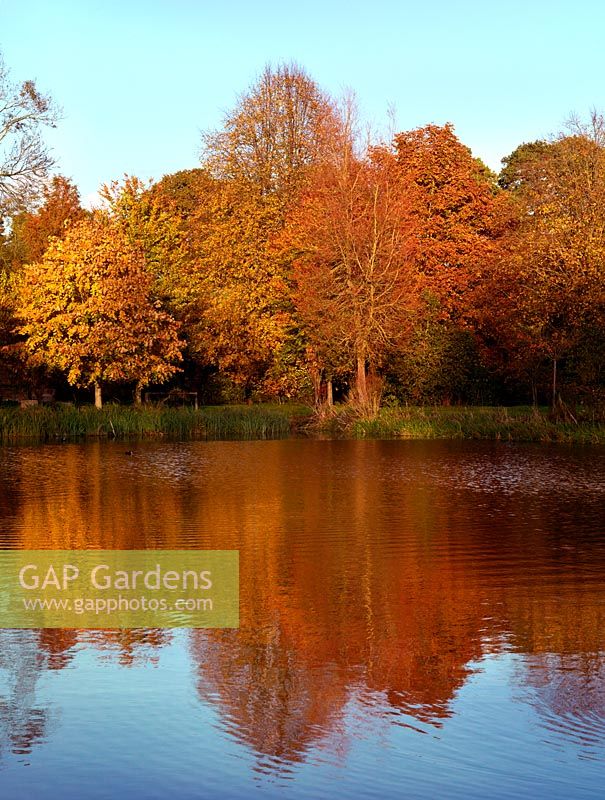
(418, 620)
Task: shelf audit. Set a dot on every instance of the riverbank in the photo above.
(515, 424)
(64, 423)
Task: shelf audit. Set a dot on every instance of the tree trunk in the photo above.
(554, 382)
(362, 384)
(316, 381)
(98, 395)
(330, 393)
(138, 394)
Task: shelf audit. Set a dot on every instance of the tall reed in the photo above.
(67, 422)
(519, 424)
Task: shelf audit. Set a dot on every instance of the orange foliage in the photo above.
(60, 207)
(456, 210)
(356, 287)
(87, 309)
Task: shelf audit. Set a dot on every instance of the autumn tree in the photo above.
(207, 248)
(60, 207)
(356, 283)
(31, 230)
(243, 306)
(455, 216)
(410, 228)
(152, 225)
(456, 212)
(27, 237)
(6, 307)
(279, 127)
(24, 158)
(549, 277)
(279, 130)
(87, 309)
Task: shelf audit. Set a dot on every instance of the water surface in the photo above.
(418, 619)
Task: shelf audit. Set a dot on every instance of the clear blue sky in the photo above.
(139, 79)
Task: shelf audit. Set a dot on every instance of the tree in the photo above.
(31, 231)
(152, 225)
(207, 246)
(243, 312)
(390, 236)
(28, 237)
(523, 164)
(356, 284)
(282, 125)
(183, 190)
(280, 128)
(24, 158)
(87, 309)
(549, 276)
(456, 212)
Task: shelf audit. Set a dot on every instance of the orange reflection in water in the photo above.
(366, 576)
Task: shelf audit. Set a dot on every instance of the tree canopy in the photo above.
(279, 127)
(299, 260)
(87, 309)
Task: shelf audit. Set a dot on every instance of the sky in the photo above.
(139, 80)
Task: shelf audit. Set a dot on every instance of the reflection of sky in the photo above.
(142, 732)
(417, 620)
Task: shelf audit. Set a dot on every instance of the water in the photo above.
(418, 619)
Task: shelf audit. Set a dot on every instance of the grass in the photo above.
(518, 423)
(67, 422)
(273, 421)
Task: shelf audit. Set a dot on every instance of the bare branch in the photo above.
(24, 158)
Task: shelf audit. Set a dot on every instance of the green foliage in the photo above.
(517, 424)
(68, 422)
(519, 167)
(440, 364)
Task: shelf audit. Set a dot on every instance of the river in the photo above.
(418, 619)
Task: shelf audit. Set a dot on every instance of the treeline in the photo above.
(299, 261)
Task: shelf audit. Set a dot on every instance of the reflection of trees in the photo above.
(269, 697)
(283, 681)
(550, 603)
(362, 578)
(329, 613)
(76, 497)
(562, 674)
(568, 693)
(57, 645)
(132, 647)
(23, 722)
(342, 592)
(25, 655)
